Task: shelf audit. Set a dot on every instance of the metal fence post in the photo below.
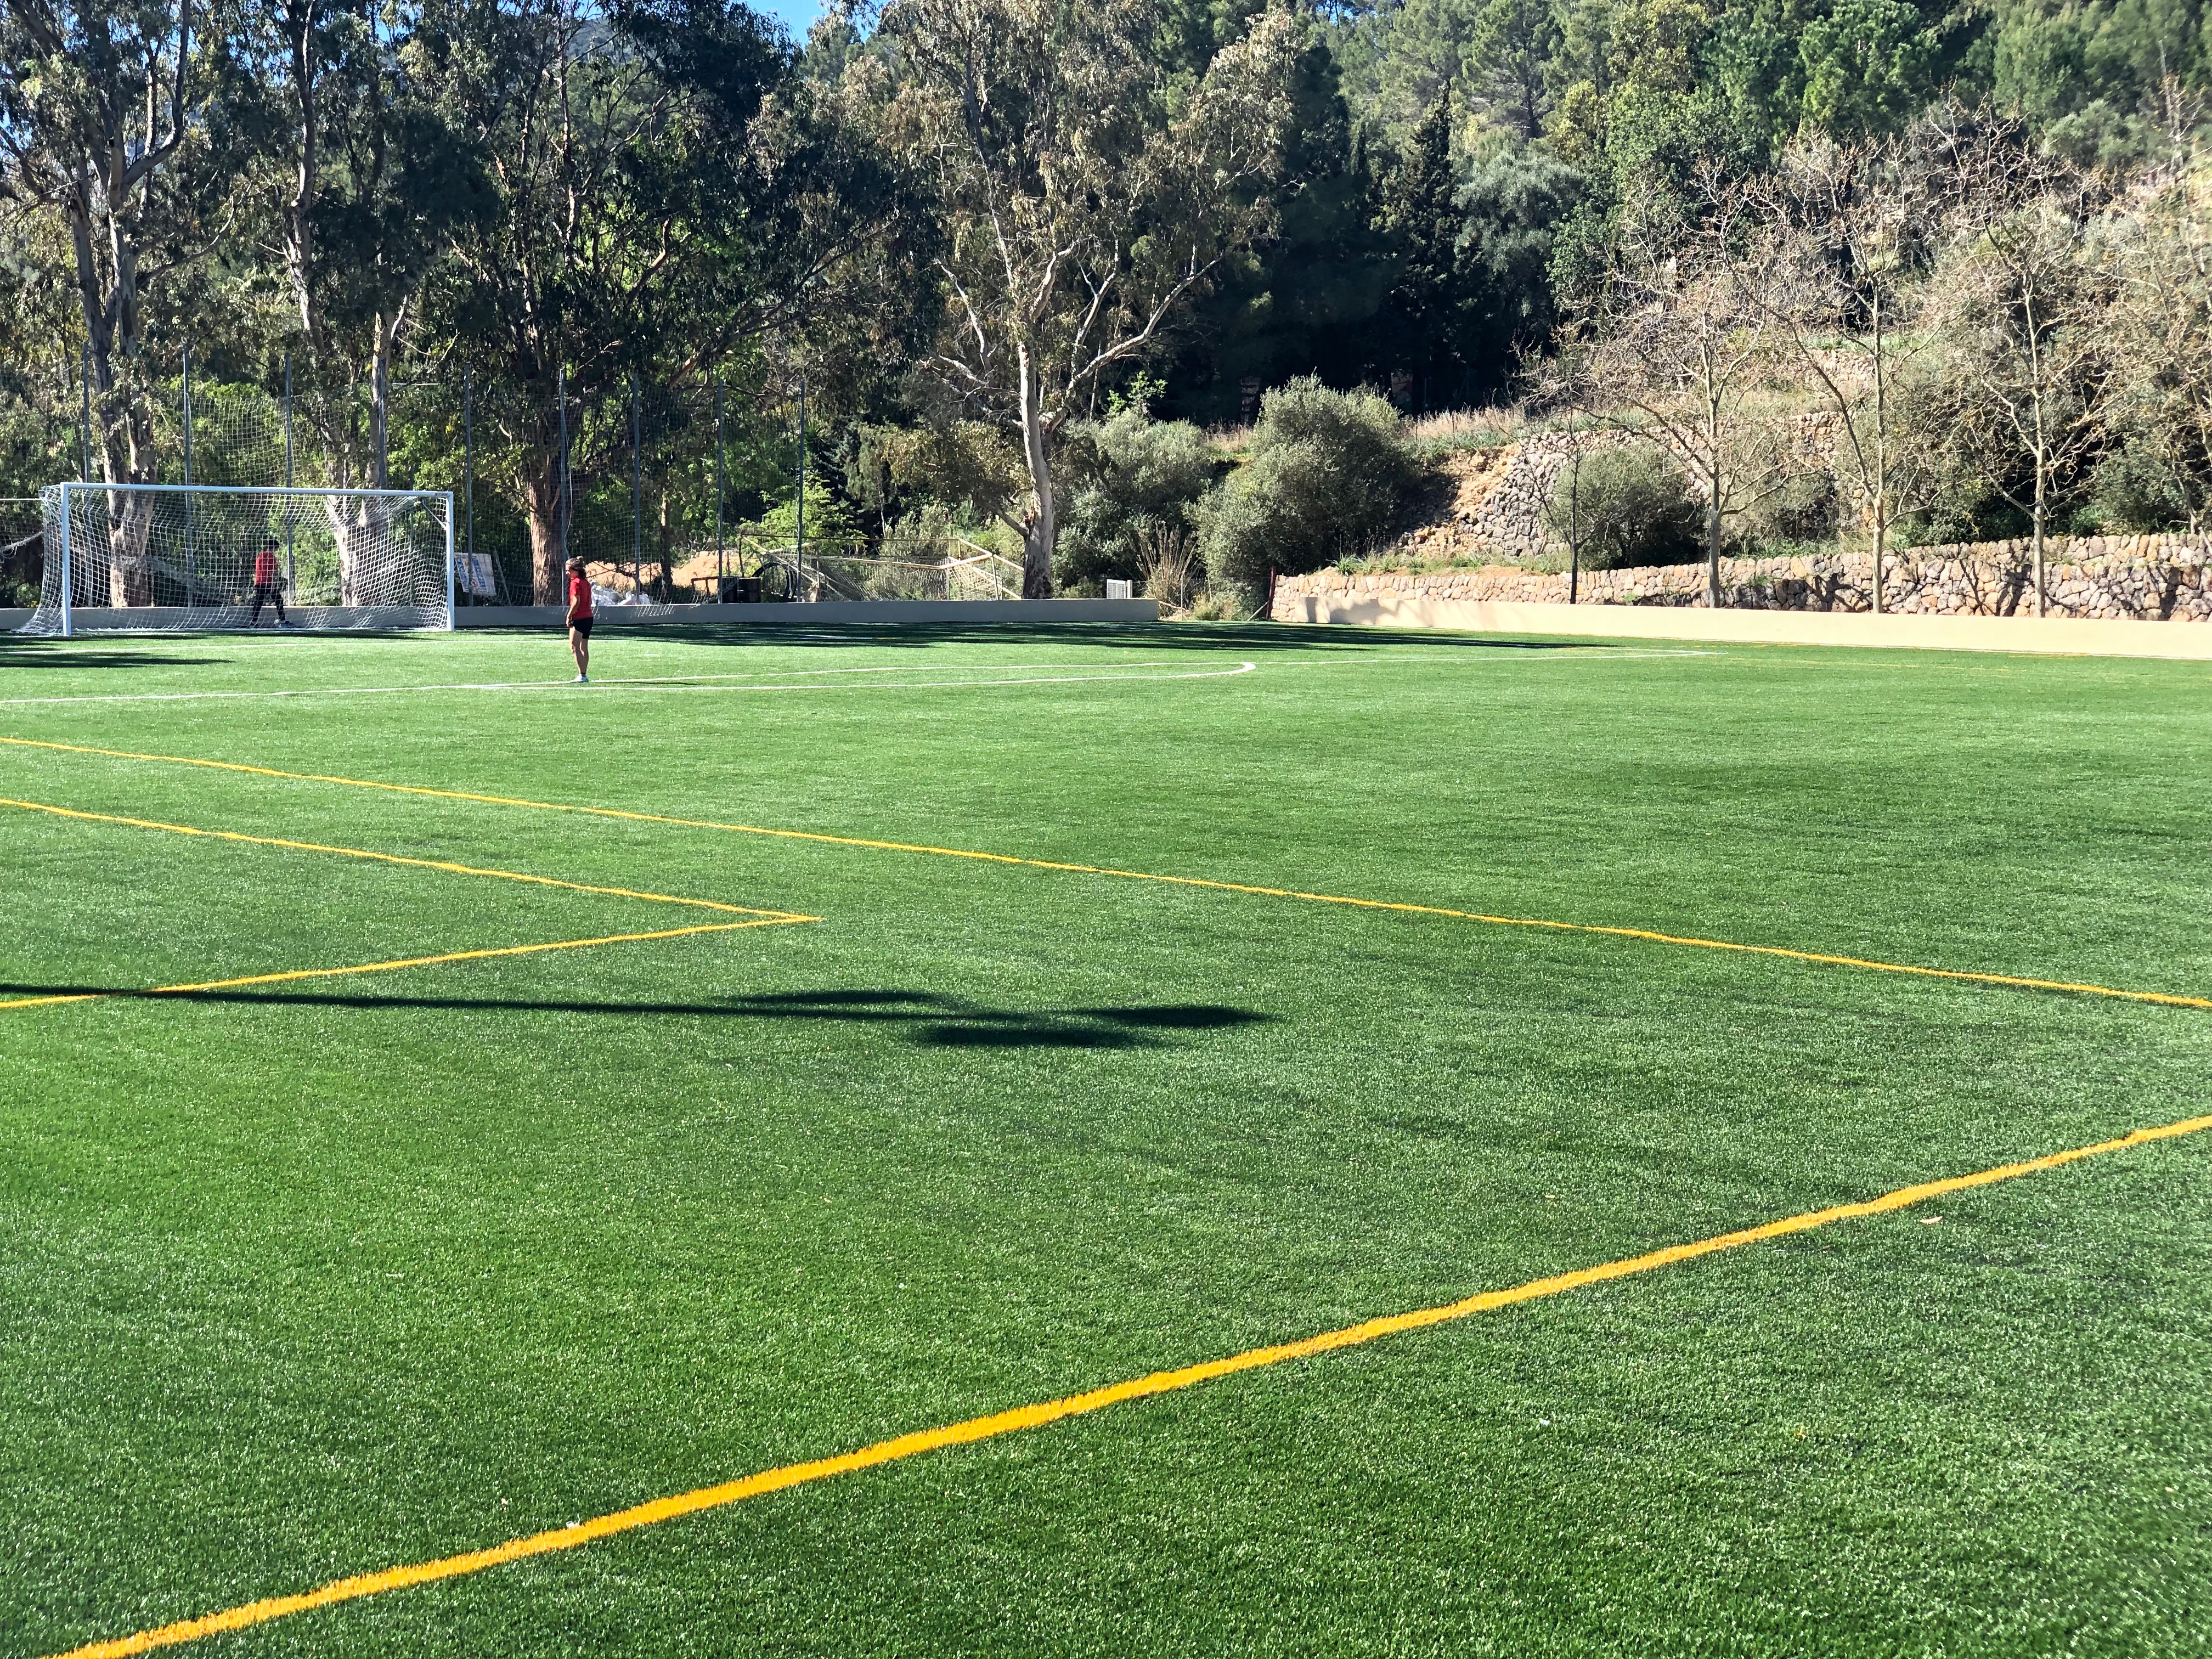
(191, 553)
(798, 529)
(291, 570)
(450, 624)
(88, 411)
(561, 489)
(69, 625)
(718, 487)
(469, 463)
(636, 500)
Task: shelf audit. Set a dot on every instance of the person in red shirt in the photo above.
(268, 587)
(579, 620)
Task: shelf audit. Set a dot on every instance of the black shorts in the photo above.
(583, 625)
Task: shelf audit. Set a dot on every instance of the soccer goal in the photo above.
(195, 557)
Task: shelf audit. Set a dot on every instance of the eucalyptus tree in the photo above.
(1083, 201)
(370, 172)
(667, 187)
(112, 116)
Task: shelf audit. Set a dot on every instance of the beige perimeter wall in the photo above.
(1384, 607)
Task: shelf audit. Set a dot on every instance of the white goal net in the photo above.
(194, 558)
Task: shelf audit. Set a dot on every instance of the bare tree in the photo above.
(2023, 301)
(1081, 209)
(1563, 384)
(1856, 227)
(1679, 333)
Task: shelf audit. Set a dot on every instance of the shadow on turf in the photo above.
(40, 654)
(1140, 636)
(937, 1021)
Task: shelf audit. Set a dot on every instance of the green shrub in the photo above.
(2134, 490)
(1329, 473)
(1131, 477)
(1805, 509)
(1634, 506)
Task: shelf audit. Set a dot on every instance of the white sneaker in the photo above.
(583, 679)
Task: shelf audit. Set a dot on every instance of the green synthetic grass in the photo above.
(308, 1279)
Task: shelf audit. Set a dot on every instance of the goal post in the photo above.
(194, 558)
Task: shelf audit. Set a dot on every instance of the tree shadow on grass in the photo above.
(928, 1018)
(62, 653)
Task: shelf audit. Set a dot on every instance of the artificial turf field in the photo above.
(309, 1277)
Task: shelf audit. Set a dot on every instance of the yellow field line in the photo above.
(2016, 981)
(395, 858)
(1052, 1411)
(407, 961)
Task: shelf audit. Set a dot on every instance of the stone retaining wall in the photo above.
(2143, 578)
(1499, 494)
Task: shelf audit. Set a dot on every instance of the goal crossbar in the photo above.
(373, 558)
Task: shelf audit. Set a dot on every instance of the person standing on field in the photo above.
(268, 588)
(579, 620)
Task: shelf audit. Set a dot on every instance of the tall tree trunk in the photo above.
(2038, 544)
(1040, 534)
(541, 495)
(1713, 546)
(2036, 516)
(125, 438)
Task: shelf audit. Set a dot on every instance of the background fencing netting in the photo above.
(195, 557)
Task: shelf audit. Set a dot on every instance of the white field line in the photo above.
(672, 683)
(709, 682)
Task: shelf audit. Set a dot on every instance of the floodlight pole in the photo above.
(192, 558)
(69, 625)
(188, 414)
(799, 526)
(636, 500)
(291, 573)
(469, 467)
(718, 489)
(560, 382)
(450, 624)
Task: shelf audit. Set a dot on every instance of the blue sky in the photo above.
(797, 16)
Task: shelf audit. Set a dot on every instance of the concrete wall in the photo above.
(2114, 578)
(159, 618)
(2059, 635)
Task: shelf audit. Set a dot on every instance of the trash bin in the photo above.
(741, 590)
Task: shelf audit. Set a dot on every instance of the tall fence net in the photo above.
(201, 556)
(669, 495)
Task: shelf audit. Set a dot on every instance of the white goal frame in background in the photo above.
(410, 574)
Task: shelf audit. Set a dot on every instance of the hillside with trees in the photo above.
(1142, 289)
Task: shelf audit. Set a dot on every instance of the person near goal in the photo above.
(268, 586)
(579, 620)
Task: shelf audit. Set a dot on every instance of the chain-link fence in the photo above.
(671, 495)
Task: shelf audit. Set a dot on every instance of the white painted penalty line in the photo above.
(705, 682)
(669, 683)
